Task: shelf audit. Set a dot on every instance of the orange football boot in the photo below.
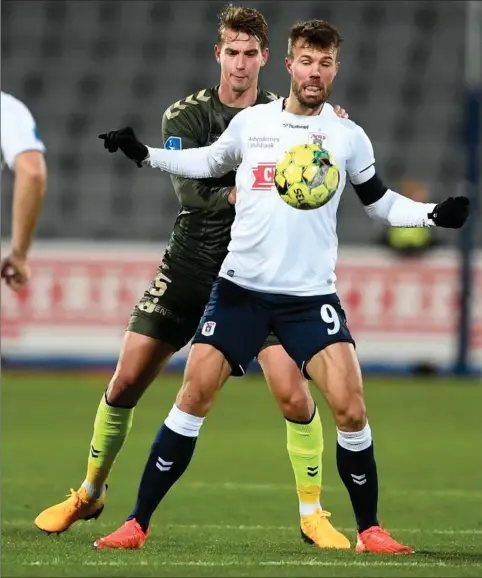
(317, 529)
(130, 536)
(78, 506)
(378, 541)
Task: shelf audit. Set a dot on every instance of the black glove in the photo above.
(125, 140)
(451, 213)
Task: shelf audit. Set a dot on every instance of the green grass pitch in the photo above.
(235, 511)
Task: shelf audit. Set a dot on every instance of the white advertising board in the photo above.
(400, 311)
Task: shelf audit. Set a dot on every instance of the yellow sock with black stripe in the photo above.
(305, 448)
(111, 427)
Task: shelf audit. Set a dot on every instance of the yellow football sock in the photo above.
(305, 448)
(111, 427)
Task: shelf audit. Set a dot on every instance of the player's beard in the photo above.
(310, 101)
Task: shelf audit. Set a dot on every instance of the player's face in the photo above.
(241, 59)
(312, 72)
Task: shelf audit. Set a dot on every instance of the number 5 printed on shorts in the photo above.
(330, 317)
(157, 289)
(159, 285)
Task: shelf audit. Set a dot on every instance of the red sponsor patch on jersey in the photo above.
(263, 176)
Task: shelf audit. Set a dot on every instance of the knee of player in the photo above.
(194, 398)
(124, 389)
(297, 405)
(352, 415)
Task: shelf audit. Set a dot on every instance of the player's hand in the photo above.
(451, 213)
(15, 271)
(340, 112)
(125, 140)
(232, 196)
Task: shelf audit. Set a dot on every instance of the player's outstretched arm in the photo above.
(399, 211)
(206, 162)
(394, 209)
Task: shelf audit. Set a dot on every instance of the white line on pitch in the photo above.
(265, 528)
(289, 562)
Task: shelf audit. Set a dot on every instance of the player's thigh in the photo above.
(307, 325)
(169, 310)
(206, 372)
(140, 361)
(285, 381)
(234, 323)
(162, 322)
(337, 374)
(315, 334)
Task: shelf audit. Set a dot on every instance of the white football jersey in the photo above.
(19, 132)
(275, 248)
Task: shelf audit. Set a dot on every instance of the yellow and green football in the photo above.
(307, 177)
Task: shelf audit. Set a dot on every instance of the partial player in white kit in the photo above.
(279, 275)
(23, 151)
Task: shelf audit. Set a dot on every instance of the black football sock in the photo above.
(169, 457)
(358, 470)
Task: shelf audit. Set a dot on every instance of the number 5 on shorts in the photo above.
(330, 317)
(159, 285)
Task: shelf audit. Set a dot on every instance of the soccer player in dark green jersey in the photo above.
(166, 317)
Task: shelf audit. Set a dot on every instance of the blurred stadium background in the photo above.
(409, 77)
(86, 67)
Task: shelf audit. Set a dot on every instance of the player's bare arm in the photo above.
(23, 152)
(29, 190)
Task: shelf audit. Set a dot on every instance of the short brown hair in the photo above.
(316, 33)
(247, 20)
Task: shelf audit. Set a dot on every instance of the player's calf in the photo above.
(141, 360)
(336, 372)
(174, 444)
(304, 443)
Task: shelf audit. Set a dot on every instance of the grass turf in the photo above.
(234, 513)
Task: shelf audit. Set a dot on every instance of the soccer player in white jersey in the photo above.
(279, 274)
(23, 152)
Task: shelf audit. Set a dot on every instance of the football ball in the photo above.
(307, 177)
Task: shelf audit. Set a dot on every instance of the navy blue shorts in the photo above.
(237, 321)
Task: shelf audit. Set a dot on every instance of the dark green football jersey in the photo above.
(199, 241)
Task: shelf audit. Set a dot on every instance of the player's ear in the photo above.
(337, 67)
(265, 54)
(289, 65)
(217, 53)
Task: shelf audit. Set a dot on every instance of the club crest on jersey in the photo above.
(318, 138)
(173, 143)
(263, 176)
(208, 328)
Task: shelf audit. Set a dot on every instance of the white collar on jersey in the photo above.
(283, 108)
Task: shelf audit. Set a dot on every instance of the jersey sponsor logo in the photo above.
(263, 142)
(208, 328)
(263, 176)
(290, 125)
(317, 138)
(173, 143)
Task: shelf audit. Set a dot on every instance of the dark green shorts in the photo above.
(171, 308)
